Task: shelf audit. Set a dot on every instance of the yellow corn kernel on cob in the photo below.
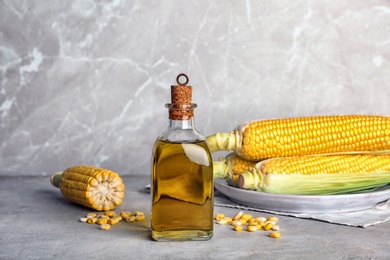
(272, 138)
(92, 187)
(230, 167)
(319, 174)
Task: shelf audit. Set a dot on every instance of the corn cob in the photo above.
(230, 167)
(92, 187)
(288, 137)
(318, 174)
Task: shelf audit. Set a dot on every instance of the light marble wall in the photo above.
(85, 82)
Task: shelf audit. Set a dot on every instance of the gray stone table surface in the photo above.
(38, 223)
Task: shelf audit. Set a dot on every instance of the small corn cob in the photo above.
(318, 174)
(287, 137)
(230, 167)
(92, 187)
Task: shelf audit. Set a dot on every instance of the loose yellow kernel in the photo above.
(236, 223)
(259, 226)
(128, 213)
(238, 215)
(109, 213)
(91, 215)
(274, 234)
(139, 213)
(84, 220)
(242, 220)
(238, 228)
(91, 220)
(139, 217)
(251, 228)
(104, 217)
(123, 215)
(130, 219)
(219, 216)
(113, 221)
(246, 216)
(261, 219)
(101, 221)
(222, 221)
(276, 228)
(229, 219)
(268, 226)
(105, 226)
(252, 221)
(273, 218)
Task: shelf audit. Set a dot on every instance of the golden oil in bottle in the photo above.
(182, 177)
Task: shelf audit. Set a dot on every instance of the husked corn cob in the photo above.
(92, 187)
(318, 174)
(236, 164)
(287, 137)
(230, 167)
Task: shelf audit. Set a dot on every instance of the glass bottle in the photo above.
(182, 175)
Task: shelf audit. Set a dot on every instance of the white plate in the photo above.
(303, 203)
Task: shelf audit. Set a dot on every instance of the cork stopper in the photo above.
(181, 107)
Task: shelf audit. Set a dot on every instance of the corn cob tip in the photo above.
(55, 179)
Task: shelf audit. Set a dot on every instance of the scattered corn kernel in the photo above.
(229, 219)
(123, 215)
(274, 234)
(238, 228)
(268, 226)
(246, 216)
(238, 215)
(139, 217)
(103, 217)
(113, 221)
(262, 224)
(84, 220)
(219, 216)
(222, 221)
(242, 220)
(130, 219)
(139, 213)
(273, 218)
(91, 215)
(109, 213)
(101, 221)
(91, 220)
(276, 228)
(105, 226)
(261, 219)
(236, 223)
(251, 228)
(252, 221)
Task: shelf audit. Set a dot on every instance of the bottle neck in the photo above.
(182, 124)
(181, 128)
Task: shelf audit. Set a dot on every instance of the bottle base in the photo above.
(182, 235)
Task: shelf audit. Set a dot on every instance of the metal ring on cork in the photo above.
(178, 79)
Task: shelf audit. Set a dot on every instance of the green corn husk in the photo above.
(314, 184)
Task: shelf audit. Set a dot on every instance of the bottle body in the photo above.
(182, 185)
